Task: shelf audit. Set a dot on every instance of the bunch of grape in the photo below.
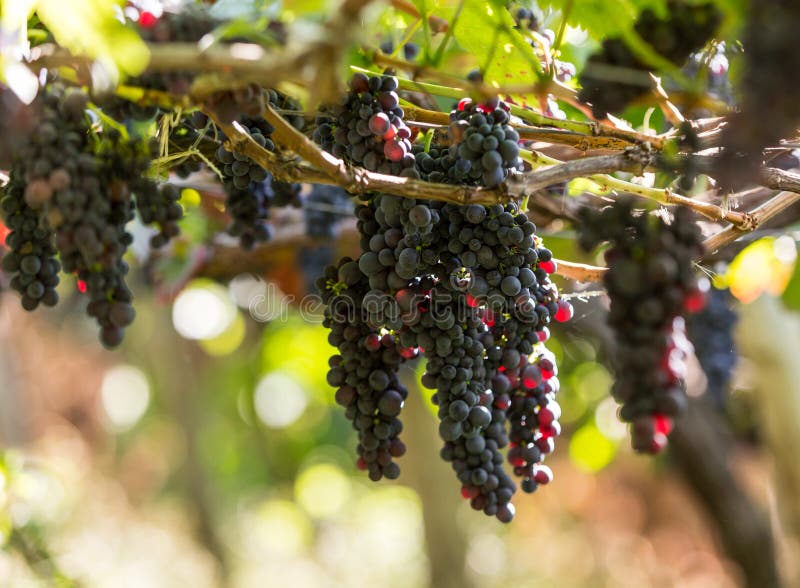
(652, 286)
(89, 223)
(615, 76)
(483, 152)
(158, 204)
(467, 288)
(364, 371)
(43, 170)
(711, 331)
(486, 146)
(246, 196)
(30, 260)
(367, 127)
(70, 191)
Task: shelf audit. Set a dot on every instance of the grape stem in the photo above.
(436, 23)
(414, 114)
(775, 179)
(596, 135)
(634, 161)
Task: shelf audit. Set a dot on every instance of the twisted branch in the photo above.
(328, 169)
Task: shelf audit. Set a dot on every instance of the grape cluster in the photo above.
(89, 223)
(484, 149)
(467, 288)
(158, 204)
(615, 76)
(711, 331)
(30, 260)
(246, 195)
(652, 286)
(367, 127)
(42, 172)
(486, 146)
(71, 192)
(364, 371)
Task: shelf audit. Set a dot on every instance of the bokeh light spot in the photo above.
(203, 311)
(279, 400)
(322, 490)
(125, 395)
(590, 450)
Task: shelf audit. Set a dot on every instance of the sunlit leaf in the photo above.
(15, 15)
(484, 30)
(90, 27)
(605, 18)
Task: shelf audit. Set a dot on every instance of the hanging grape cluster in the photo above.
(652, 286)
(468, 289)
(484, 148)
(712, 332)
(70, 192)
(367, 127)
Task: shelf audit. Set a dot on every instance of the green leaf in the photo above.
(487, 31)
(606, 18)
(90, 27)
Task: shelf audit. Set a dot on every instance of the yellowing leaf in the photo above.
(763, 266)
(90, 27)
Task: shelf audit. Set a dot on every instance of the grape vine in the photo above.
(451, 270)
